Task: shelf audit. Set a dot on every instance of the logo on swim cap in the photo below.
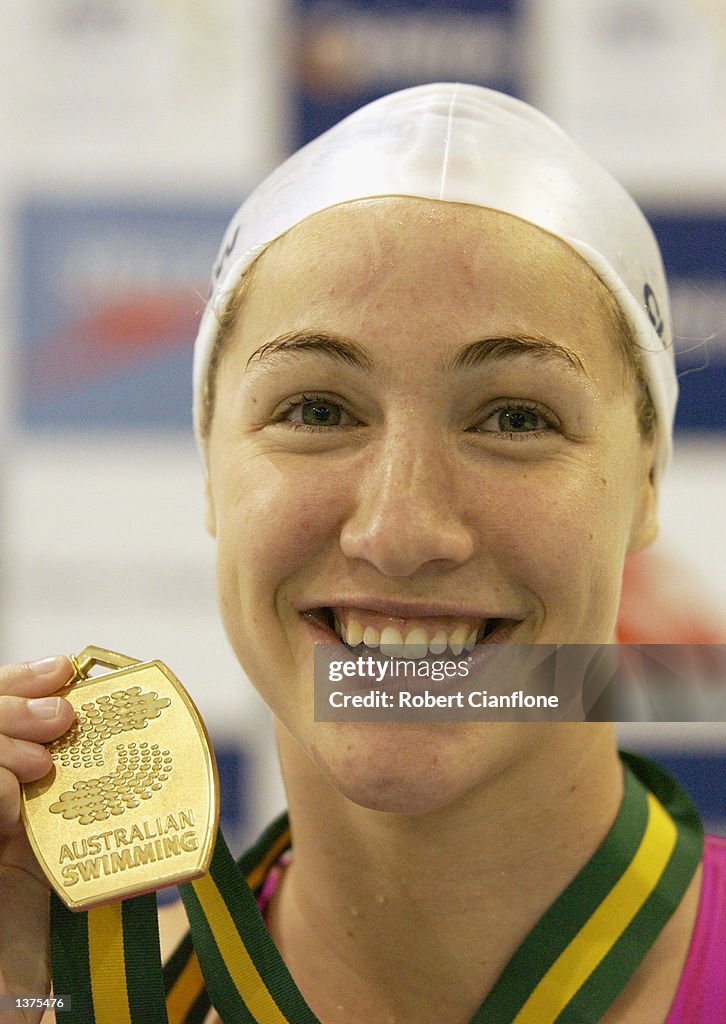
(653, 309)
(224, 254)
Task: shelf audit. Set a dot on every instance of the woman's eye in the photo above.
(320, 414)
(514, 420)
(316, 412)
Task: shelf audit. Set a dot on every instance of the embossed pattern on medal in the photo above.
(141, 768)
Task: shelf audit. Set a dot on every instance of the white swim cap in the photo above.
(465, 144)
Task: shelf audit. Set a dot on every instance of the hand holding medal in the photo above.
(131, 803)
(101, 822)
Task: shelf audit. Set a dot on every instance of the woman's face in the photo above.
(423, 422)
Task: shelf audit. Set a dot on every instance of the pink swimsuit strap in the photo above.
(701, 996)
(271, 882)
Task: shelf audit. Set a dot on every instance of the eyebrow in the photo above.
(511, 346)
(475, 354)
(331, 345)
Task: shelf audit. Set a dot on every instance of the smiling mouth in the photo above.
(360, 628)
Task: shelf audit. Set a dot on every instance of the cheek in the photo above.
(273, 516)
(553, 527)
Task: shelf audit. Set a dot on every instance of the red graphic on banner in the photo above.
(116, 336)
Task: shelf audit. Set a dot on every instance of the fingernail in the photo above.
(44, 707)
(45, 666)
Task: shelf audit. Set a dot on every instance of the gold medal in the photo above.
(132, 801)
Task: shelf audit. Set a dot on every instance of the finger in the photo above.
(9, 801)
(39, 719)
(35, 678)
(27, 761)
(17, 855)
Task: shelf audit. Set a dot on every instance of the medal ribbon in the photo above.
(108, 960)
(569, 970)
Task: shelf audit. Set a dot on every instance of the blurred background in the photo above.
(131, 131)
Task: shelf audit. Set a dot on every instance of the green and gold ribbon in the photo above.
(108, 960)
(569, 970)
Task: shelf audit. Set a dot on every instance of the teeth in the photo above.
(416, 643)
(354, 633)
(458, 639)
(439, 641)
(371, 636)
(392, 642)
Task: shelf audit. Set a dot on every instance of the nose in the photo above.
(406, 512)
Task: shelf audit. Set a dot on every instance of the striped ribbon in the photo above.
(108, 960)
(569, 970)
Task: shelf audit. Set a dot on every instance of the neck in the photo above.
(425, 898)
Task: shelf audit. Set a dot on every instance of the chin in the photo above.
(402, 769)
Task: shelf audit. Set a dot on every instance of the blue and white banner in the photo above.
(350, 53)
(694, 252)
(703, 774)
(110, 296)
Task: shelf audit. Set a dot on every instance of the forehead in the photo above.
(380, 254)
